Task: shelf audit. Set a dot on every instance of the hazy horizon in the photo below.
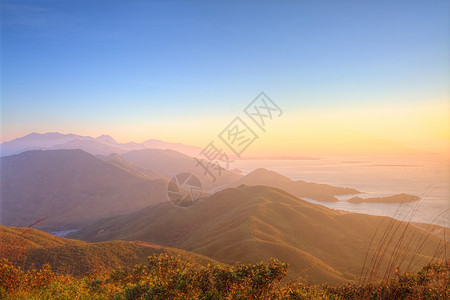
(349, 77)
(329, 147)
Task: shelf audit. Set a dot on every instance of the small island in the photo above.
(399, 198)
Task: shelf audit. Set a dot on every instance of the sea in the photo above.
(426, 176)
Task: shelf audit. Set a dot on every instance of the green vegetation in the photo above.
(30, 248)
(168, 277)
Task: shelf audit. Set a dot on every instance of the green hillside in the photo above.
(254, 223)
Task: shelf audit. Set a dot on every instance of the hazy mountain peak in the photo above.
(185, 149)
(265, 174)
(104, 138)
(156, 141)
(114, 156)
(299, 188)
(251, 191)
(103, 144)
(43, 137)
(36, 141)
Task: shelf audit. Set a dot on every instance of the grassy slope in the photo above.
(250, 224)
(28, 248)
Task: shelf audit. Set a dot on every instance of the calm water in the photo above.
(63, 233)
(425, 176)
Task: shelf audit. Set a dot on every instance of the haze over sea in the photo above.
(427, 176)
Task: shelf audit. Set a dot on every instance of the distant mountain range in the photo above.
(250, 224)
(299, 188)
(103, 144)
(170, 163)
(72, 187)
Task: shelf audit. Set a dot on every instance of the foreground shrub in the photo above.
(432, 282)
(166, 277)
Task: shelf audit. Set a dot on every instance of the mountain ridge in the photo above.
(32, 248)
(71, 187)
(253, 223)
(299, 188)
(103, 144)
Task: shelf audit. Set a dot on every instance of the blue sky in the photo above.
(75, 66)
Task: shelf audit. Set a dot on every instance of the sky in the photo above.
(349, 76)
